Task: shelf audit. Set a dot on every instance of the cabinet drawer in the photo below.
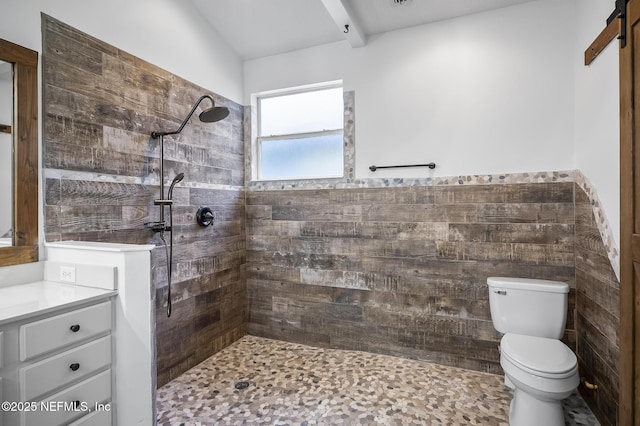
(42, 336)
(97, 418)
(96, 389)
(51, 373)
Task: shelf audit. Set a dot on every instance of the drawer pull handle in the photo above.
(75, 328)
(74, 366)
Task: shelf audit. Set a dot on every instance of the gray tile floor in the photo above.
(263, 381)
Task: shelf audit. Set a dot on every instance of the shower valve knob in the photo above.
(204, 216)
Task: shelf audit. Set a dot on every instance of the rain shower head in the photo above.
(210, 115)
(214, 114)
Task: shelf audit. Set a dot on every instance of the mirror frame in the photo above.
(25, 154)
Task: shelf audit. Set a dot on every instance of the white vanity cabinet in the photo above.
(55, 367)
(77, 337)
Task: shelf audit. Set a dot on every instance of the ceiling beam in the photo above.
(343, 16)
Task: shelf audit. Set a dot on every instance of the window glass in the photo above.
(300, 134)
(314, 157)
(302, 112)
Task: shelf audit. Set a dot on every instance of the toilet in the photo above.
(541, 370)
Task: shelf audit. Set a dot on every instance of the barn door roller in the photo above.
(620, 12)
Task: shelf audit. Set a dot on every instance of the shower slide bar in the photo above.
(431, 165)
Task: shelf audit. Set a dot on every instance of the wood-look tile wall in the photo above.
(101, 177)
(402, 271)
(598, 315)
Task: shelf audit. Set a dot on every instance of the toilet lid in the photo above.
(538, 354)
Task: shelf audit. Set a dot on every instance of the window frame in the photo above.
(257, 151)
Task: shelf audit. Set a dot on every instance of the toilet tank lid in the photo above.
(529, 284)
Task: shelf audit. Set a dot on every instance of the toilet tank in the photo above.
(528, 306)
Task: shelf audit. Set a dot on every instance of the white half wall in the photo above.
(133, 351)
(168, 33)
(597, 111)
(485, 93)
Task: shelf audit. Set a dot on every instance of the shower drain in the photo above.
(241, 385)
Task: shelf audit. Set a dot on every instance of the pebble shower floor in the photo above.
(293, 384)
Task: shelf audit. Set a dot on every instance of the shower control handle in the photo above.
(205, 216)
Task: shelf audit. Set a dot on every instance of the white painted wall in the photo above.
(168, 33)
(597, 111)
(485, 93)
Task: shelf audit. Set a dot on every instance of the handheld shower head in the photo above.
(178, 178)
(175, 180)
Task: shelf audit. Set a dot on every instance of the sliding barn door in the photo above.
(630, 219)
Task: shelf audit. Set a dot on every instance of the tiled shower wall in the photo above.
(402, 271)
(101, 175)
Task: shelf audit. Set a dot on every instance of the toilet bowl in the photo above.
(544, 372)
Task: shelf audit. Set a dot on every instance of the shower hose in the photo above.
(168, 251)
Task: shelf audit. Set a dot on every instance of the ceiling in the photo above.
(257, 28)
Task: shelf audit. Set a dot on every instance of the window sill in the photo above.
(308, 183)
(305, 179)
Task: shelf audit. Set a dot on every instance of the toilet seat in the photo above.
(539, 356)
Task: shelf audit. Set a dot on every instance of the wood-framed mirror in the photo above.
(20, 241)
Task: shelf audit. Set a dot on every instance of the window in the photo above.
(300, 134)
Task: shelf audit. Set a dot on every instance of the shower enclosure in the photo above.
(210, 115)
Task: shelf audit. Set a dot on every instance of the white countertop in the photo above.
(22, 301)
